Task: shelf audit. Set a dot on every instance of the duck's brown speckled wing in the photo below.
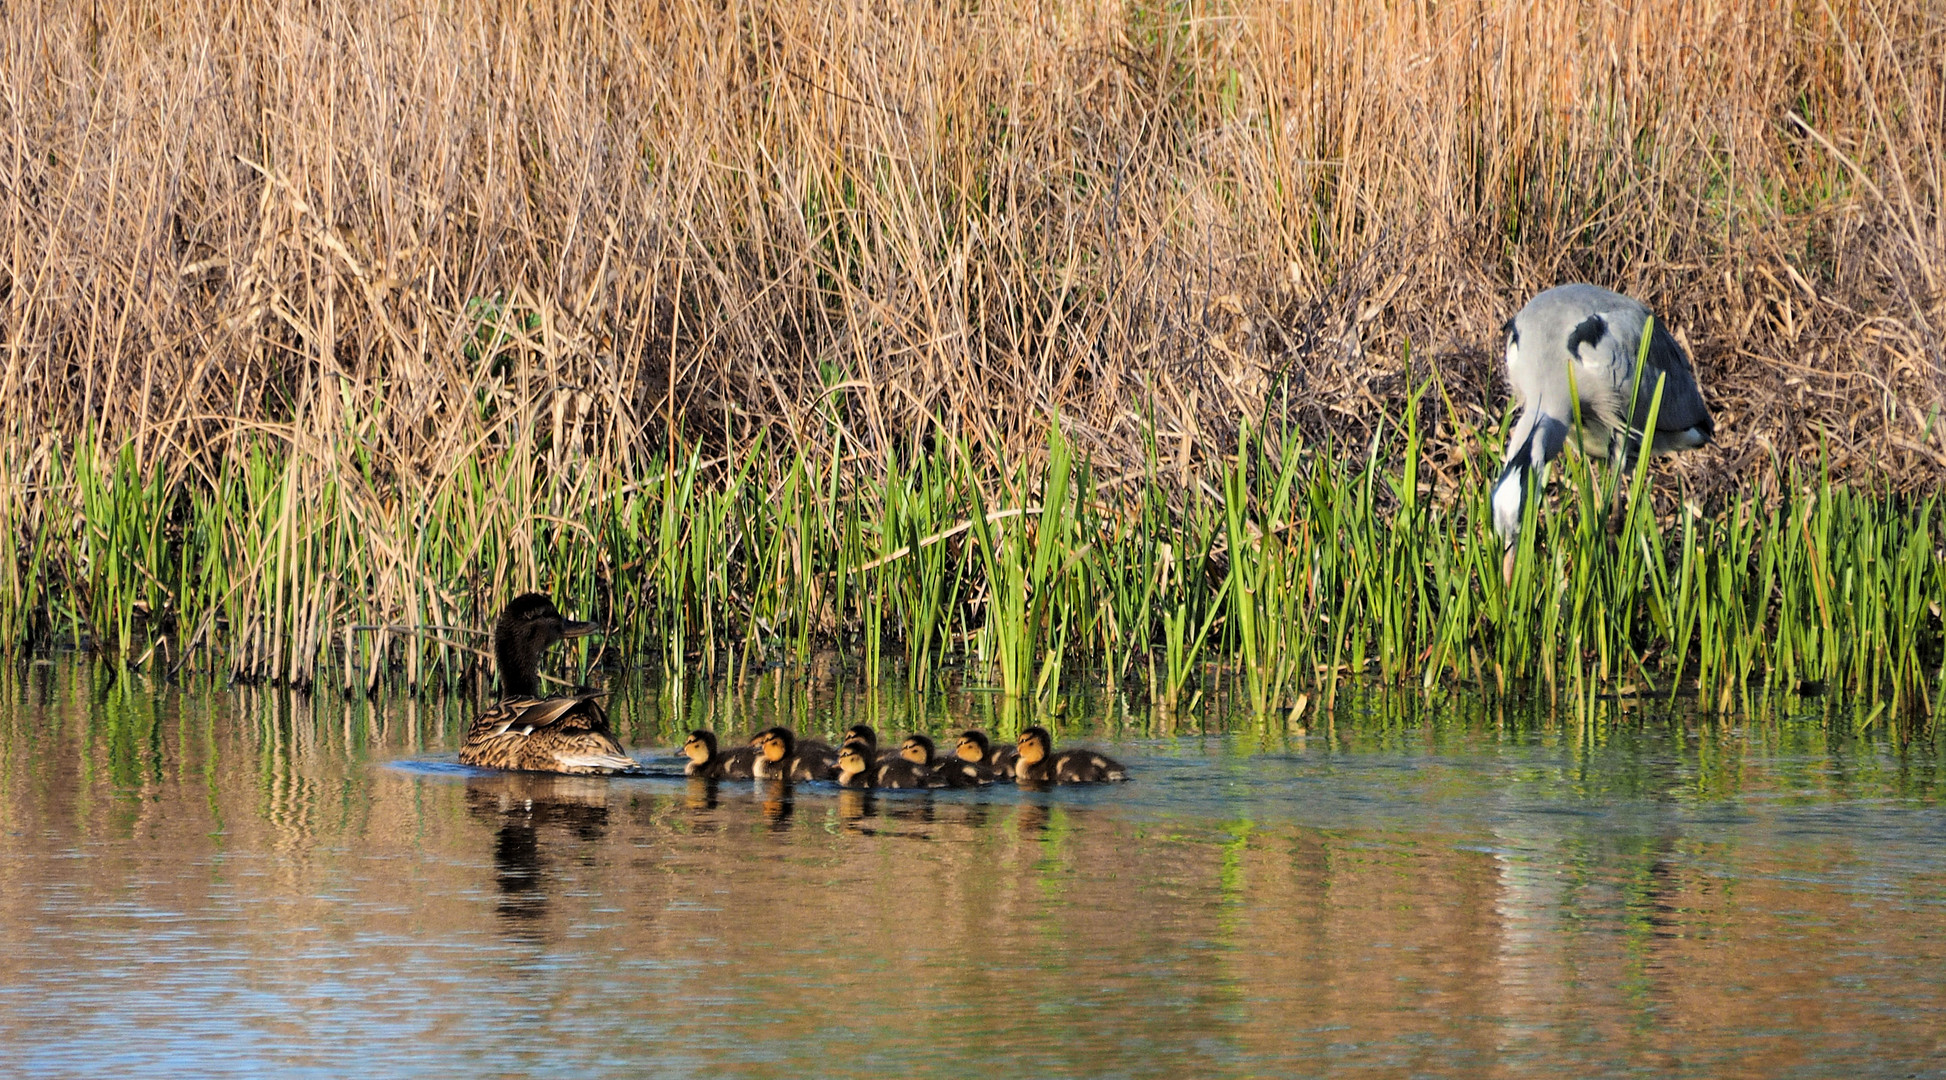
(567, 734)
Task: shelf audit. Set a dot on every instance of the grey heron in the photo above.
(1581, 342)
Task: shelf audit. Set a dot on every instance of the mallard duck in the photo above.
(854, 768)
(1039, 764)
(530, 733)
(949, 771)
(781, 757)
(995, 762)
(706, 762)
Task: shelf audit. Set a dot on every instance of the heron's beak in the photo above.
(1507, 567)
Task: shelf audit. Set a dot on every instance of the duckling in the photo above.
(995, 762)
(526, 732)
(900, 773)
(949, 771)
(866, 737)
(1039, 764)
(781, 757)
(706, 762)
(854, 768)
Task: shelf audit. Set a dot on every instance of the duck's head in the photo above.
(973, 746)
(851, 760)
(861, 733)
(700, 746)
(522, 633)
(1034, 744)
(775, 744)
(917, 749)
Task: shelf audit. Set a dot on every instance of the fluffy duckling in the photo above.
(781, 757)
(993, 761)
(854, 768)
(866, 737)
(897, 772)
(949, 771)
(1039, 764)
(526, 732)
(706, 762)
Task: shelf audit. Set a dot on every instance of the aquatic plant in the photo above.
(749, 327)
(1295, 567)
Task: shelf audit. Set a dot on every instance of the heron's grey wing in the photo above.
(1682, 408)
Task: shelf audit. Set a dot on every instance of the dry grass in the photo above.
(857, 217)
(546, 241)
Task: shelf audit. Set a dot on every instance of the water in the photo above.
(225, 881)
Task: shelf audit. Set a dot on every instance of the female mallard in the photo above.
(530, 733)
(948, 771)
(781, 757)
(994, 761)
(1039, 764)
(706, 762)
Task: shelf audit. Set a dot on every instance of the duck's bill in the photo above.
(578, 629)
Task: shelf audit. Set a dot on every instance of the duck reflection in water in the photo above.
(1032, 819)
(701, 794)
(855, 807)
(776, 797)
(533, 813)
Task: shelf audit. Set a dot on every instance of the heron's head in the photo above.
(1528, 456)
(1509, 495)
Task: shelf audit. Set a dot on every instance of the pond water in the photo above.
(232, 881)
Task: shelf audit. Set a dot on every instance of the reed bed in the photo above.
(1297, 568)
(1096, 337)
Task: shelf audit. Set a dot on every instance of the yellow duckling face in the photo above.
(916, 749)
(1034, 744)
(969, 749)
(851, 760)
(699, 747)
(771, 745)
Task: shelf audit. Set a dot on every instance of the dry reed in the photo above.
(531, 247)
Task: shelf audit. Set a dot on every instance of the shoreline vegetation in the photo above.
(1294, 569)
(1127, 340)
